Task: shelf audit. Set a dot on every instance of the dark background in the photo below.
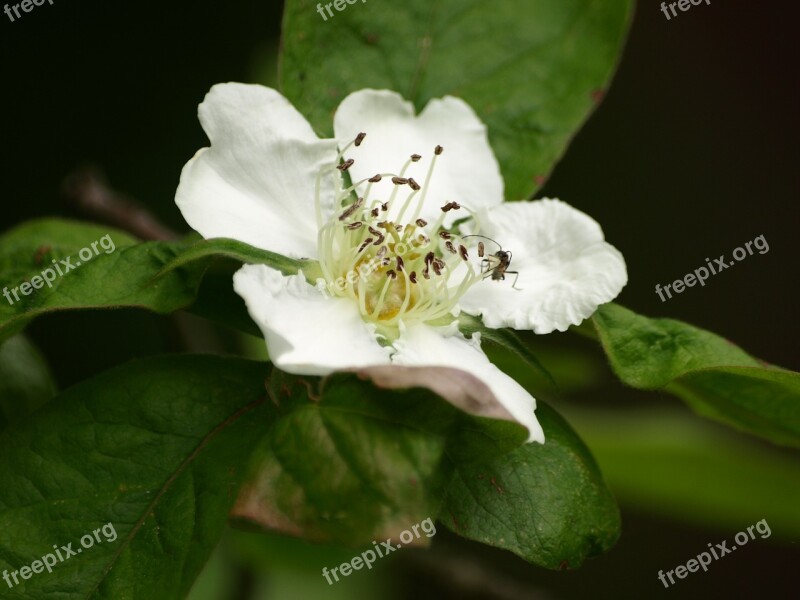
(693, 153)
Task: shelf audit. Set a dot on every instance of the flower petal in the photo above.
(256, 182)
(566, 269)
(421, 344)
(467, 172)
(307, 332)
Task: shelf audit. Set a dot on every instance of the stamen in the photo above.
(413, 184)
(412, 277)
(415, 157)
(421, 222)
(400, 263)
(359, 138)
(438, 150)
(355, 225)
(346, 164)
(391, 274)
(399, 180)
(451, 206)
(480, 249)
(462, 250)
(351, 209)
(375, 178)
(449, 245)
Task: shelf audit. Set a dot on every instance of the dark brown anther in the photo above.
(412, 277)
(438, 150)
(415, 157)
(413, 184)
(400, 263)
(346, 164)
(379, 241)
(374, 212)
(351, 209)
(449, 245)
(356, 225)
(462, 250)
(374, 231)
(437, 268)
(375, 178)
(480, 249)
(360, 138)
(385, 206)
(391, 274)
(429, 258)
(364, 244)
(445, 235)
(386, 262)
(421, 222)
(426, 273)
(399, 180)
(451, 206)
(398, 228)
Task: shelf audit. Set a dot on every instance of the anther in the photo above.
(400, 263)
(381, 252)
(385, 206)
(445, 235)
(437, 268)
(399, 180)
(449, 245)
(480, 249)
(421, 222)
(351, 209)
(412, 277)
(462, 250)
(364, 244)
(438, 150)
(356, 225)
(451, 206)
(391, 274)
(360, 138)
(429, 258)
(415, 157)
(413, 184)
(346, 164)
(374, 212)
(375, 178)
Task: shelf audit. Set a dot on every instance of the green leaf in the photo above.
(156, 449)
(349, 463)
(546, 503)
(715, 377)
(25, 380)
(532, 70)
(667, 463)
(158, 276)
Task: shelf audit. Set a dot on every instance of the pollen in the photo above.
(397, 267)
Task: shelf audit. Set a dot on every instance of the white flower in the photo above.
(395, 260)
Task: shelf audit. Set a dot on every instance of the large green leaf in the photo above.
(158, 276)
(546, 503)
(532, 70)
(348, 463)
(25, 379)
(715, 377)
(155, 449)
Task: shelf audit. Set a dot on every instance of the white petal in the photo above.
(445, 347)
(467, 172)
(307, 332)
(256, 182)
(566, 269)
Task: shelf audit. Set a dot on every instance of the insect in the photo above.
(495, 265)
